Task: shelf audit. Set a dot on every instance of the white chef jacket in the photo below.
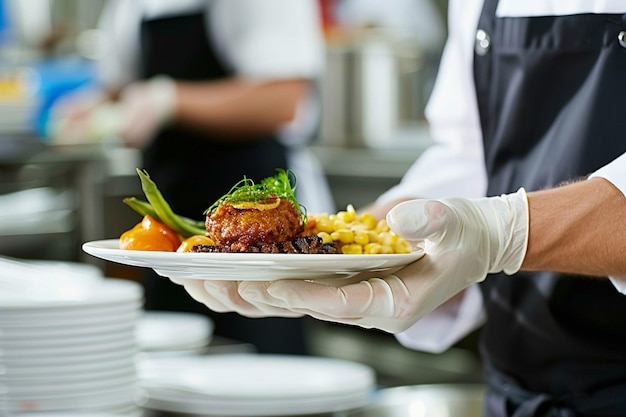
(454, 165)
(264, 40)
(260, 40)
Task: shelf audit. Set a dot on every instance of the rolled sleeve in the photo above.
(615, 172)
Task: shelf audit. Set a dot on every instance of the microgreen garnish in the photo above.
(278, 186)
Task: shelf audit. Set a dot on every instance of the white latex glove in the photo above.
(464, 240)
(223, 297)
(83, 116)
(146, 107)
(87, 116)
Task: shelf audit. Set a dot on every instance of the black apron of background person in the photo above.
(550, 93)
(193, 170)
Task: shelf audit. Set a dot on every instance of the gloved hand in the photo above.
(464, 240)
(145, 108)
(89, 116)
(82, 116)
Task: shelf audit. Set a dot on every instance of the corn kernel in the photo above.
(368, 221)
(372, 248)
(402, 246)
(352, 249)
(323, 224)
(361, 237)
(347, 216)
(325, 237)
(386, 239)
(386, 249)
(373, 236)
(344, 236)
(339, 224)
(382, 226)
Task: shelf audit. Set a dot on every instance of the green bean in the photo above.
(195, 223)
(144, 208)
(164, 211)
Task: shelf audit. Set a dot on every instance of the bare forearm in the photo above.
(238, 108)
(578, 228)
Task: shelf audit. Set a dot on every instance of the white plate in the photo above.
(110, 398)
(63, 362)
(130, 411)
(65, 341)
(168, 331)
(256, 376)
(61, 377)
(74, 351)
(61, 332)
(248, 266)
(99, 292)
(69, 389)
(237, 408)
(66, 315)
(79, 319)
(46, 371)
(255, 384)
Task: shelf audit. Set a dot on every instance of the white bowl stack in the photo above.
(67, 341)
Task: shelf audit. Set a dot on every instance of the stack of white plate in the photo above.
(254, 385)
(173, 333)
(67, 343)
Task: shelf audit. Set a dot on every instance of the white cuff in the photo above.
(163, 93)
(619, 283)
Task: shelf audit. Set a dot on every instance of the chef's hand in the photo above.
(224, 297)
(463, 240)
(89, 116)
(145, 108)
(79, 117)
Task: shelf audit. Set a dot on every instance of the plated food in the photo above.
(255, 232)
(257, 218)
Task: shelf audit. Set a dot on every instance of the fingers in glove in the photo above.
(204, 294)
(181, 281)
(372, 297)
(367, 304)
(224, 297)
(197, 291)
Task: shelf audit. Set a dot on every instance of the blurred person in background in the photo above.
(210, 91)
(527, 98)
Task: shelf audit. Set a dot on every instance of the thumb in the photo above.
(418, 220)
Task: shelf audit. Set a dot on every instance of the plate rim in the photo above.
(250, 266)
(92, 245)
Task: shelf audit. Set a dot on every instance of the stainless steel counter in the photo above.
(26, 164)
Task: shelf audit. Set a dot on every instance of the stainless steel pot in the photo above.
(372, 86)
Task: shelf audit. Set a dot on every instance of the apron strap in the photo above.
(506, 398)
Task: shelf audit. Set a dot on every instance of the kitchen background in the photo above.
(380, 68)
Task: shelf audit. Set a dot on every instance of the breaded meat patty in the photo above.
(241, 225)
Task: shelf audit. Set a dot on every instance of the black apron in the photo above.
(193, 169)
(550, 93)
